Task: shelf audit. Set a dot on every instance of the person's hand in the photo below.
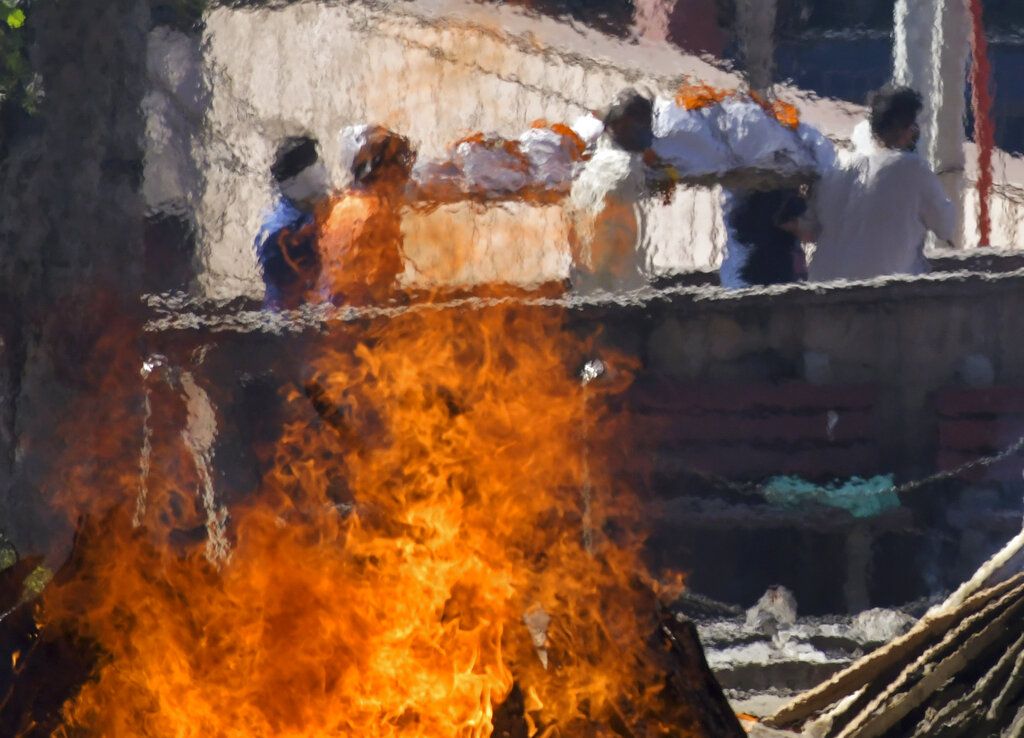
(791, 226)
(662, 177)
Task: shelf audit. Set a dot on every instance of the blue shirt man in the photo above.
(286, 243)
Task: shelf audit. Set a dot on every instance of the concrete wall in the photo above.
(71, 223)
(743, 385)
(899, 376)
(909, 339)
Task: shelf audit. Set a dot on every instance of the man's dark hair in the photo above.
(629, 120)
(384, 150)
(293, 156)
(755, 219)
(893, 108)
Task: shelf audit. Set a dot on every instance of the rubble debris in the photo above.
(777, 606)
(880, 625)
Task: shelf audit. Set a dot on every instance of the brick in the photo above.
(740, 461)
(1006, 400)
(723, 398)
(980, 435)
(677, 429)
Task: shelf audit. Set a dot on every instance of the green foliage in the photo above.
(18, 84)
(8, 556)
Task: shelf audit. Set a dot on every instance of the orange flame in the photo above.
(448, 530)
(577, 146)
(692, 96)
(785, 113)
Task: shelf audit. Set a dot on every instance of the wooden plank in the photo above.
(982, 575)
(870, 667)
(1016, 728)
(963, 713)
(936, 665)
(1010, 689)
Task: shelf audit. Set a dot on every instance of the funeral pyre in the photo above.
(439, 547)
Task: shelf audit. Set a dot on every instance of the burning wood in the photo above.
(39, 671)
(414, 612)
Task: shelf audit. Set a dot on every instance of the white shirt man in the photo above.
(604, 205)
(870, 215)
(607, 221)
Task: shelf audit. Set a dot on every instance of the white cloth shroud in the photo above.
(690, 140)
(735, 134)
(552, 158)
(488, 167)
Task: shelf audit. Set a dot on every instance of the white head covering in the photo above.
(351, 140)
(862, 138)
(589, 128)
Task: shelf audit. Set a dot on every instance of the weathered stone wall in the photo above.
(434, 71)
(823, 382)
(71, 221)
(908, 338)
(902, 376)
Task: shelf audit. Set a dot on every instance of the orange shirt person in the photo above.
(360, 239)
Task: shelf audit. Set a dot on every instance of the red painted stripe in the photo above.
(998, 401)
(984, 126)
(671, 430)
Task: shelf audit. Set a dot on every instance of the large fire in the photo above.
(442, 548)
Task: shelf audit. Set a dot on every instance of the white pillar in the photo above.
(930, 54)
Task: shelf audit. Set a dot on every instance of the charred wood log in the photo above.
(962, 716)
(39, 672)
(509, 719)
(692, 701)
(39, 669)
(695, 685)
(43, 675)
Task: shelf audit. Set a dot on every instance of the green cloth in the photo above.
(862, 498)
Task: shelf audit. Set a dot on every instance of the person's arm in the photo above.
(938, 214)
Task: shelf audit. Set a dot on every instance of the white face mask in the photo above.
(309, 184)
